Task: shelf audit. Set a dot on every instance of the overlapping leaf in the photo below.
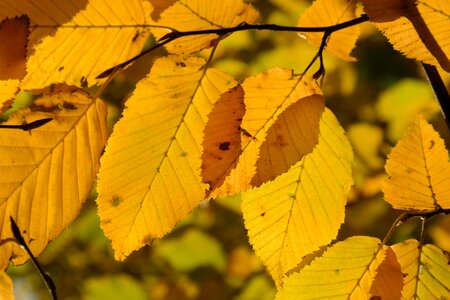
(150, 174)
(267, 95)
(426, 269)
(346, 270)
(419, 170)
(188, 15)
(418, 29)
(388, 282)
(87, 37)
(330, 12)
(302, 209)
(14, 37)
(46, 174)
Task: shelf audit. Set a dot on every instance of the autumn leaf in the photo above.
(75, 41)
(419, 170)
(14, 36)
(418, 29)
(6, 286)
(191, 15)
(426, 270)
(388, 283)
(153, 157)
(302, 209)
(267, 95)
(346, 270)
(46, 174)
(331, 12)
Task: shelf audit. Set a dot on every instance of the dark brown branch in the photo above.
(28, 126)
(46, 278)
(175, 34)
(440, 91)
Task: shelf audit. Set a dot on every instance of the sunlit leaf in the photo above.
(47, 173)
(426, 270)
(345, 271)
(388, 282)
(302, 209)
(267, 95)
(6, 286)
(419, 170)
(418, 29)
(86, 38)
(331, 12)
(152, 160)
(188, 15)
(8, 88)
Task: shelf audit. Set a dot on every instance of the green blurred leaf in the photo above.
(117, 287)
(399, 104)
(260, 287)
(192, 250)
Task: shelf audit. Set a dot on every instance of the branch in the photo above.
(175, 34)
(46, 278)
(440, 91)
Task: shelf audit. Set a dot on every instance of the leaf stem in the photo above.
(175, 34)
(27, 126)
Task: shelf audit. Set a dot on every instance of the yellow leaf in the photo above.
(345, 271)
(388, 282)
(426, 270)
(8, 88)
(418, 29)
(6, 287)
(302, 209)
(46, 174)
(153, 156)
(267, 95)
(75, 41)
(331, 12)
(187, 15)
(419, 170)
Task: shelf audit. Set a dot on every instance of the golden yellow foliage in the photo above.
(46, 175)
(267, 95)
(426, 269)
(76, 40)
(418, 29)
(188, 15)
(303, 208)
(153, 157)
(8, 88)
(419, 170)
(345, 271)
(6, 286)
(330, 12)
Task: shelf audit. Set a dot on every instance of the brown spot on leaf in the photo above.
(61, 68)
(224, 146)
(181, 64)
(69, 106)
(115, 201)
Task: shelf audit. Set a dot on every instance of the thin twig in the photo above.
(46, 278)
(175, 34)
(28, 126)
(440, 90)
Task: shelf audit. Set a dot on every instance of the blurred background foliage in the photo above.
(208, 256)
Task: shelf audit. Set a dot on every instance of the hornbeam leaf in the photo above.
(47, 174)
(426, 270)
(418, 29)
(388, 282)
(345, 271)
(330, 12)
(419, 170)
(302, 209)
(6, 286)
(73, 41)
(267, 96)
(150, 174)
(188, 15)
